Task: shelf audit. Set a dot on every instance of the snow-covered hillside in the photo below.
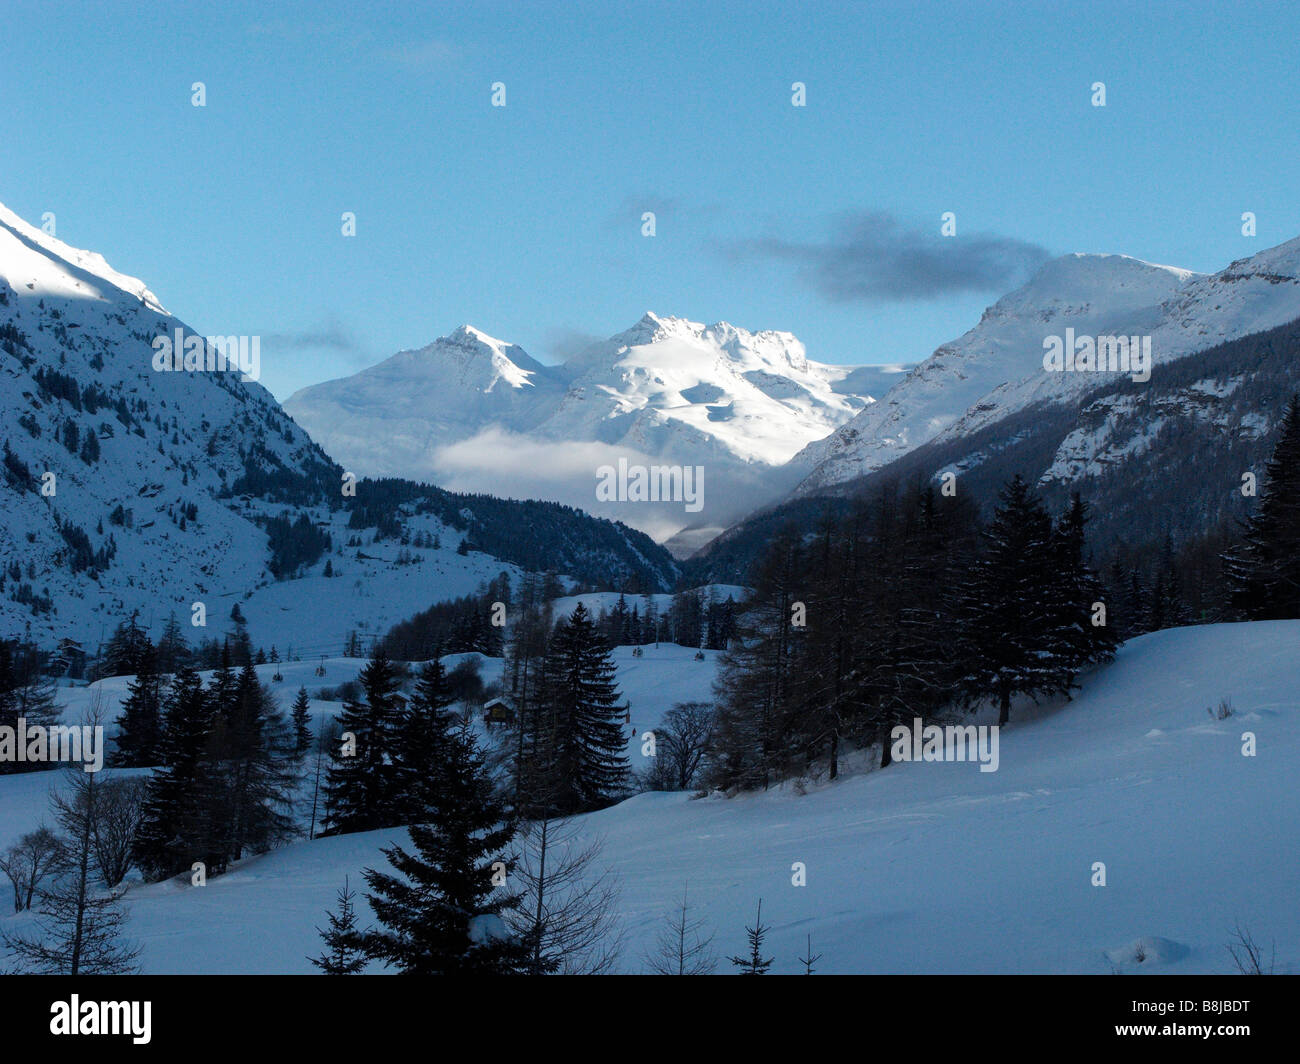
(390, 419)
(129, 488)
(466, 409)
(926, 867)
(996, 369)
(161, 441)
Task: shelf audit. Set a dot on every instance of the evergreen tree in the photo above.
(1013, 619)
(169, 838)
(441, 910)
(173, 651)
(1166, 607)
(1082, 642)
(1264, 570)
(256, 761)
(423, 739)
(343, 954)
(359, 791)
(618, 631)
(26, 692)
(580, 721)
(139, 740)
(753, 687)
(126, 649)
(301, 717)
(754, 964)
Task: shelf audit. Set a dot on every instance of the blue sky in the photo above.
(525, 220)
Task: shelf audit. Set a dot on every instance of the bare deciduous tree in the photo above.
(680, 948)
(79, 927)
(119, 808)
(1248, 955)
(681, 742)
(28, 863)
(567, 910)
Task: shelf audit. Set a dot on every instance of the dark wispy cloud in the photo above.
(331, 336)
(872, 257)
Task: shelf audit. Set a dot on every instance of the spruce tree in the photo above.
(139, 740)
(360, 793)
(757, 674)
(423, 738)
(173, 650)
(755, 963)
(26, 692)
(1264, 570)
(581, 719)
(166, 843)
(126, 649)
(1012, 616)
(343, 954)
(301, 717)
(1082, 642)
(256, 769)
(441, 907)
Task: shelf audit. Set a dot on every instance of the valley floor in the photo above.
(927, 867)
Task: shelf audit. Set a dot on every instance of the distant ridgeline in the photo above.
(1160, 465)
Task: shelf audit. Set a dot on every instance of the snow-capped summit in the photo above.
(132, 487)
(35, 262)
(666, 387)
(996, 369)
(463, 410)
(418, 400)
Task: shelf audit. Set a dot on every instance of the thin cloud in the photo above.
(331, 336)
(872, 257)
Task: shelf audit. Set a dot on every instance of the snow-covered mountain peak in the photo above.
(996, 368)
(466, 357)
(1075, 284)
(666, 387)
(1276, 264)
(42, 265)
(473, 339)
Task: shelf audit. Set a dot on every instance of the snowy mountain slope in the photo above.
(671, 387)
(996, 369)
(464, 409)
(389, 419)
(925, 867)
(1154, 459)
(163, 483)
(1093, 294)
(163, 440)
(666, 386)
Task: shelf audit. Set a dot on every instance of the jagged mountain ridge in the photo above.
(995, 370)
(669, 390)
(666, 386)
(163, 482)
